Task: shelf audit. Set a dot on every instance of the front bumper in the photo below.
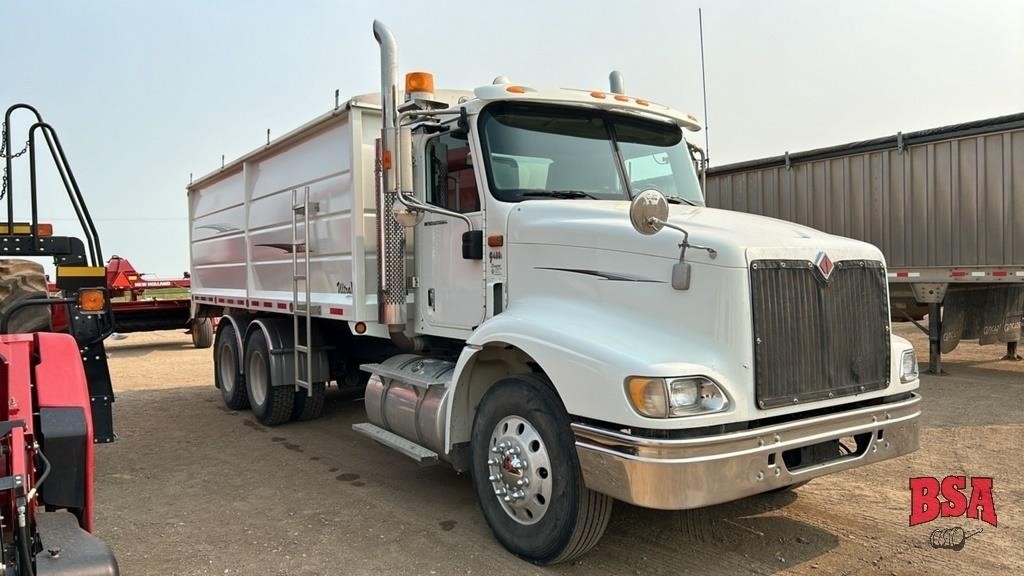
(695, 472)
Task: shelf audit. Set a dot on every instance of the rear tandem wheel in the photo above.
(227, 367)
(309, 404)
(272, 405)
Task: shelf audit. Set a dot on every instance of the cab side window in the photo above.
(451, 180)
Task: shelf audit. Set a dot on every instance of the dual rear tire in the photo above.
(246, 377)
(227, 373)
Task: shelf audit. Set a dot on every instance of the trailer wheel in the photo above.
(24, 280)
(309, 405)
(527, 474)
(272, 405)
(202, 333)
(227, 368)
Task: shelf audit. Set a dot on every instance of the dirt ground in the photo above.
(192, 488)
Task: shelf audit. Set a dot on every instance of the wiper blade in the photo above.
(680, 200)
(560, 194)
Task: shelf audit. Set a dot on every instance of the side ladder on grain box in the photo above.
(302, 310)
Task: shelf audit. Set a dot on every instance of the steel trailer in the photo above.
(945, 206)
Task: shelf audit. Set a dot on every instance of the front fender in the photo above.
(587, 354)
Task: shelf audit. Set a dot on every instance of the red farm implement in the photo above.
(55, 391)
(142, 303)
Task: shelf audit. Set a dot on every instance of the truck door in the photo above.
(451, 289)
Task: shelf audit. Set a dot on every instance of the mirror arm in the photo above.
(712, 253)
(413, 204)
(406, 198)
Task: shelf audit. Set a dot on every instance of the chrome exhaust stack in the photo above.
(391, 289)
(615, 80)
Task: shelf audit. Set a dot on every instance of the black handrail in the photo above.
(7, 157)
(66, 175)
(70, 184)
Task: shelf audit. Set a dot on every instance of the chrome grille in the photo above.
(814, 338)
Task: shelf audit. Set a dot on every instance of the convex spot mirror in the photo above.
(648, 212)
(406, 217)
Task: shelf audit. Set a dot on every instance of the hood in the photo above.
(738, 237)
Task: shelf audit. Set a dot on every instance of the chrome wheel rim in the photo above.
(519, 470)
(226, 363)
(257, 377)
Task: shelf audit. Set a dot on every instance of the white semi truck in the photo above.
(528, 284)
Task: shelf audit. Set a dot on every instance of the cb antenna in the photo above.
(704, 89)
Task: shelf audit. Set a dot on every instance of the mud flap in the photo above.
(991, 315)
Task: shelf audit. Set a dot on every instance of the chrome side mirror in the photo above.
(648, 212)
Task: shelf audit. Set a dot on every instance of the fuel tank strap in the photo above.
(404, 376)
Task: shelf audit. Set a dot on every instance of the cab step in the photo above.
(421, 455)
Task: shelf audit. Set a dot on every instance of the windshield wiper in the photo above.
(680, 200)
(559, 194)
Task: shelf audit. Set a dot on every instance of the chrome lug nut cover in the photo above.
(521, 474)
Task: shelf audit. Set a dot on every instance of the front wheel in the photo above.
(527, 474)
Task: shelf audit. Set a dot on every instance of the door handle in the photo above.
(430, 298)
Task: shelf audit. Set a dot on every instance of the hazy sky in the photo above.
(144, 93)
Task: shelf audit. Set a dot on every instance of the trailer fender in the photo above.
(240, 323)
(279, 333)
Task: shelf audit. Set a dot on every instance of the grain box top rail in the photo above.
(366, 101)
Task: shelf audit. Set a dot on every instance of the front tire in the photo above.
(521, 433)
(272, 405)
(24, 280)
(227, 367)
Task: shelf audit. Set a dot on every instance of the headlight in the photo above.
(908, 366)
(666, 398)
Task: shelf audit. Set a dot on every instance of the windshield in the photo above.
(537, 151)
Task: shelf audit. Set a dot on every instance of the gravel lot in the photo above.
(193, 488)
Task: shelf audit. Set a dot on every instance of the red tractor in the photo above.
(55, 391)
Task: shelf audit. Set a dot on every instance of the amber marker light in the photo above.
(92, 300)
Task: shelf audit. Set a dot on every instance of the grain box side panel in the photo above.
(217, 237)
(322, 164)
